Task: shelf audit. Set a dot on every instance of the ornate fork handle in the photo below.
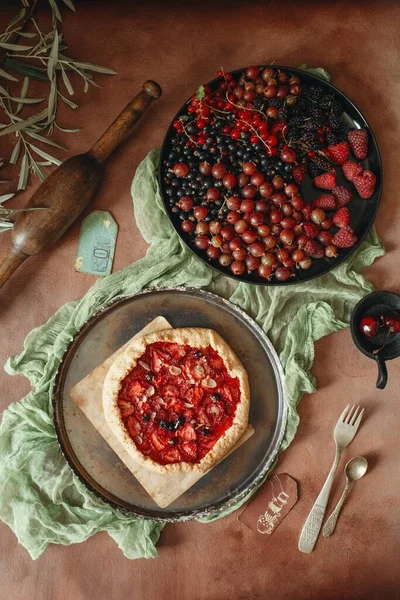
(312, 526)
(330, 524)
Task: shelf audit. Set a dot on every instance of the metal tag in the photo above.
(96, 244)
(270, 505)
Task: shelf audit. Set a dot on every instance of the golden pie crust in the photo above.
(196, 338)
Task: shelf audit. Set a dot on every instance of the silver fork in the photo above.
(345, 430)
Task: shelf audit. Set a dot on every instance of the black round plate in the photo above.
(363, 212)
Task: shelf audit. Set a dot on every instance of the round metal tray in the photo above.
(363, 212)
(95, 463)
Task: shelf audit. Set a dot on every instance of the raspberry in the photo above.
(341, 218)
(342, 195)
(299, 172)
(365, 184)
(313, 249)
(351, 169)
(307, 210)
(358, 139)
(344, 238)
(326, 201)
(339, 152)
(311, 230)
(326, 181)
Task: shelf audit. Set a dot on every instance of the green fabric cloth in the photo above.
(41, 499)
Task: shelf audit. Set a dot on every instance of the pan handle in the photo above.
(382, 373)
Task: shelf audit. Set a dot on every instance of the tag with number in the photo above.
(96, 244)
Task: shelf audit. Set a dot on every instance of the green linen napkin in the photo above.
(41, 499)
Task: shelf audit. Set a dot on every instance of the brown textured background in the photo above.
(181, 44)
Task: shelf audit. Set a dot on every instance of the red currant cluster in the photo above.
(236, 99)
(234, 172)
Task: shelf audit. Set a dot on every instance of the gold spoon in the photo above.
(355, 469)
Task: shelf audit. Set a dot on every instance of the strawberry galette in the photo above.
(178, 400)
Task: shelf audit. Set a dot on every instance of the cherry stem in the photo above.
(390, 330)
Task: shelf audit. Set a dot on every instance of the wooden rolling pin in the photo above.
(69, 189)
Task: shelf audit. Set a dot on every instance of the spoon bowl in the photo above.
(356, 468)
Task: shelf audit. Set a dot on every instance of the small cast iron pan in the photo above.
(377, 304)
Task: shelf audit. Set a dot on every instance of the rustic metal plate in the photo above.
(95, 463)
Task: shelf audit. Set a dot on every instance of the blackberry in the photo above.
(293, 133)
(282, 114)
(313, 123)
(318, 166)
(317, 113)
(259, 103)
(296, 121)
(332, 138)
(305, 105)
(341, 133)
(315, 93)
(326, 101)
(334, 121)
(275, 102)
(310, 139)
(336, 108)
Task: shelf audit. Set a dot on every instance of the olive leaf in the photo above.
(56, 12)
(53, 58)
(15, 153)
(43, 139)
(319, 72)
(23, 100)
(7, 75)
(5, 225)
(67, 82)
(23, 175)
(68, 130)
(70, 4)
(24, 124)
(44, 155)
(6, 197)
(16, 47)
(97, 68)
(24, 91)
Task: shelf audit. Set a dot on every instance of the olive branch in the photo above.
(39, 56)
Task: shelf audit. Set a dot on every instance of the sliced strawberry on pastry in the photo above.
(159, 359)
(189, 451)
(215, 411)
(126, 408)
(135, 388)
(187, 433)
(159, 440)
(172, 455)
